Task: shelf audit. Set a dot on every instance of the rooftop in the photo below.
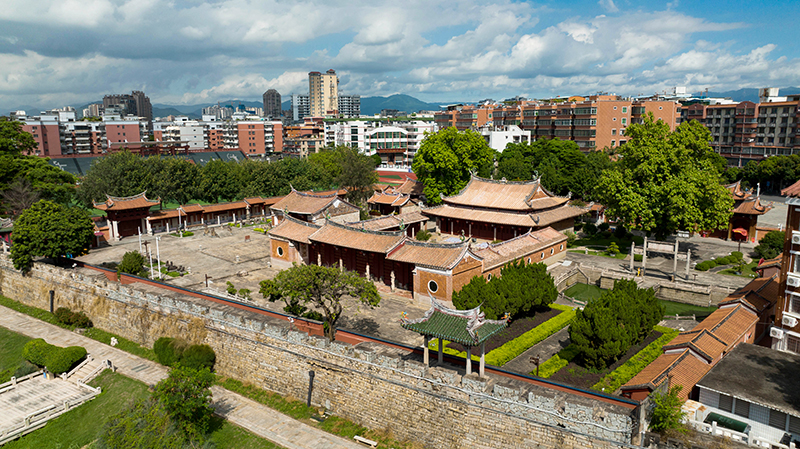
(139, 201)
(467, 327)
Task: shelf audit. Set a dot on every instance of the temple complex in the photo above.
(399, 199)
(126, 215)
(314, 208)
(501, 210)
(747, 208)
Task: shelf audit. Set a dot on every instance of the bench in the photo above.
(365, 441)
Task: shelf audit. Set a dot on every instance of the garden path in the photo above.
(545, 349)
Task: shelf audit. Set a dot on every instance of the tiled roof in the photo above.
(702, 342)
(443, 256)
(534, 220)
(409, 187)
(759, 293)
(192, 208)
(776, 262)
(793, 191)
(683, 368)
(261, 200)
(501, 253)
(294, 230)
(305, 203)
(355, 238)
(736, 190)
(165, 214)
(506, 195)
(390, 221)
(125, 203)
(225, 207)
(394, 199)
(752, 207)
(467, 327)
(729, 324)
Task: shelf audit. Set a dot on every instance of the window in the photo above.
(777, 419)
(280, 251)
(552, 250)
(794, 424)
(433, 286)
(624, 121)
(529, 260)
(542, 256)
(624, 110)
(793, 344)
(614, 131)
(660, 108)
(489, 277)
(725, 402)
(613, 119)
(615, 108)
(742, 408)
(613, 142)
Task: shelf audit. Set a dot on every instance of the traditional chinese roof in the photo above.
(295, 230)
(737, 192)
(306, 203)
(261, 200)
(770, 263)
(408, 187)
(752, 207)
(393, 199)
(729, 324)
(682, 368)
(793, 191)
(443, 256)
(223, 207)
(390, 221)
(759, 294)
(525, 196)
(495, 255)
(355, 238)
(702, 342)
(139, 201)
(467, 327)
(532, 220)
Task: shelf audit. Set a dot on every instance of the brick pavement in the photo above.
(253, 416)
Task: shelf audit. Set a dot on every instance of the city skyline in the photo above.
(59, 53)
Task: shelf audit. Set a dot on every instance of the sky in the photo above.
(71, 52)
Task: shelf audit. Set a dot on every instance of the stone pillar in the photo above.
(470, 229)
(392, 278)
(368, 278)
(675, 262)
(441, 350)
(248, 211)
(633, 256)
(319, 259)
(115, 230)
(167, 222)
(644, 257)
(730, 228)
(469, 360)
(451, 226)
(202, 219)
(218, 222)
(483, 359)
(688, 262)
(494, 229)
(341, 265)
(425, 352)
(234, 217)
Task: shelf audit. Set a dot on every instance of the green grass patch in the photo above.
(747, 270)
(557, 362)
(637, 363)
(512, 349)
(11, 344)
(679, 308)
(93, 332)
(185, 234)
(298, 410)
(602, 253)
(584, 292)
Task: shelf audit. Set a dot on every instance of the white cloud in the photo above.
(608, 5)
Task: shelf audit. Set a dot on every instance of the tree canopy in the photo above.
(445, 159)
(666, 181)
(324, 288)
(771, 244)
(605, 329)
(520, 290)
(14, 141)
(186, 396)
(51, 230)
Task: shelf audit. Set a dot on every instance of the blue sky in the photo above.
(59, 52)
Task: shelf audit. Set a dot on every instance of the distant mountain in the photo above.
(748, 94)
(163, 112)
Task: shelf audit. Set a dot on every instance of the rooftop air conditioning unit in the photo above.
(796, 238)
(789, 321)
(776, 333)
(792, 281)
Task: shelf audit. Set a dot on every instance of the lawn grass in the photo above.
(679, 308)
(747, 270)
(80, 427)
(584, 292)
(11, 344)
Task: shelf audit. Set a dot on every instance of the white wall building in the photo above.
(498, 137)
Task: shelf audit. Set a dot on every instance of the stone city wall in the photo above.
(375, 385)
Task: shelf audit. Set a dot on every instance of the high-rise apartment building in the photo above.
(272, 103)
(300, 107)
(137, 103)
(323, 94)
(349, 106)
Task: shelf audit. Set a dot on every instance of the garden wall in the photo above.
(376, 385)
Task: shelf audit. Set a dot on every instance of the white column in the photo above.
(633, 256)
(425, 355)
(167, 222)
(644, 257)
(469, 360)
(688, 262)
(483, 359)
(115, 230)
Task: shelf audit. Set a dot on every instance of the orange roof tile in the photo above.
(729, 324)
(305, 203)
(360, 239)
(409, 187)
(506, 195)
(793, 191)
(736, 190)
(443, 256)
(139, 201)
(394, 199)
(752, 207)
(192, 208)
(293, 229)
(225, 207)
(534, 220)
(495, 255)
(682, 368)
(702, 342)
(389, 221)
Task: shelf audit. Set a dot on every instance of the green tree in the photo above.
(117, 174)
(665, 181)
(186, 396)
(13, 140)
(132, 263)
(358, 174)
(48, 229)
(445, 160)
(667, 413)
(324, 288)
(771, 244)
(479, 292)
(605, 329)
(145, 424)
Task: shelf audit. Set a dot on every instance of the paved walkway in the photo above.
(545, 349)
(257, 418)
(34, 395)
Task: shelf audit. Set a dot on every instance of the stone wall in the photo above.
(376, 385)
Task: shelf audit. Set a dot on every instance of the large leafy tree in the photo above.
(357, 174)
(605, 329)
(324, 288)
(14, 141)
(445, 159)
(771, 244)
(186, 396)
(51, 230)
(666, 181)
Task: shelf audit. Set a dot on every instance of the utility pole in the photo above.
(158, 255)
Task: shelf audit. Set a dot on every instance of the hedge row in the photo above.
(56, 359)
(512, 349)
(637, 363)
(735, 257)
(558, 361)
(70, 318)
(171, 351)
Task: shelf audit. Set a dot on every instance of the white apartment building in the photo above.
(395, 141)
(497, 137)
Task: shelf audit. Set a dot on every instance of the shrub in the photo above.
(62, 359)
(25, 368)
(512, 349)
(620, 232)
(37, 351)
(613, 249)
(705, 266)
(603, 227)
(230, 288)
(70, 318)
(245, 293)
(737, 255)
(571, 237)
(637, 363)
(198, 357)
(132, 263)
(558, 361)
(63, 315)
(577, 227)
(169, 350)
(590, 229)
(423, 235)
(770, 245)
(638, 257)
